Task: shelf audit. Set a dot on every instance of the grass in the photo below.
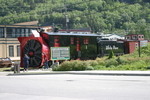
(5, 69)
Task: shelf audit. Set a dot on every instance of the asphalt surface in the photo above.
(95, 72)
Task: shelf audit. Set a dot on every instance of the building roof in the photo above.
(31, 23)
(71, 34)
(87, 29)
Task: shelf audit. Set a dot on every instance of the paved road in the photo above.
(74, 87)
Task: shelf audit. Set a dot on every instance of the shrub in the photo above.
(99, 67)
(110, 62)
(89, 68)
(122, 60)
(92, 62)
(101, 61)
(148, 67)
(80, 65)
(111, 55)
(75, 65)
(65, 66)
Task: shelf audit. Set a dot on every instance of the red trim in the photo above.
(78, 44)
(56, 41)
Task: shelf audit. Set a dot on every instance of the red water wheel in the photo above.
(33, 49)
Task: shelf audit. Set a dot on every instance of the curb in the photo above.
(114, 73)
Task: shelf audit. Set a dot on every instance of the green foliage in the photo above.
(75, 65)
(125, 62)
(122, 60)
(110, 62)
(120, 63)
(101, 61)
(109, 16)
(89, 68)
(111, 54)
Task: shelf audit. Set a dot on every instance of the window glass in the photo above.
(134, 37)
(18, 32)
(128, 37)
(1, 32)
(22, 33)
(13, 32)
(9, 32)
(18, 50)
(11, 51)
(86, 40)
(26, 32)
(136, 45)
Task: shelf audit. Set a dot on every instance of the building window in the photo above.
(18, 32)
(22, 33)
(18, 50)
(72, 40)
(9, 32)
(1, 32)
(26, 32)
(139, 37)
(86, 41)
(136, 45)
(13, 33)
(134, 37)
(11, 51)
(128, 37)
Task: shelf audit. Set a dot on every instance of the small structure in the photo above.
(133, 41)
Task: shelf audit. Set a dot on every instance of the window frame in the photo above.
(11, 51)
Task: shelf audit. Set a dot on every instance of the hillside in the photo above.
(107, 16)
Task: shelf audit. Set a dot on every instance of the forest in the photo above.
(102, 16)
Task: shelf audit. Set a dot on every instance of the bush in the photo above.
(74, 65)
(110, 62)
(101, 61)
(80, 65)
(89, 68)
(125, 62)
(65, 66)
(148, 67)
(99, 67)
(111, 55)
(122, 60)
(92, 62)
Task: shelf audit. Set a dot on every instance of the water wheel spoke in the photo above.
(37, 52)
(32, 44)
(31, 62)
(39, 57)
(35, 61)
(37, 46)
(26, 49)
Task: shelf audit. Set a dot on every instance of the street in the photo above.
(74, 87)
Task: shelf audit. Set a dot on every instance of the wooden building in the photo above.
(9, 44)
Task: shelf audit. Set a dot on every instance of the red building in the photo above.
(132, 41)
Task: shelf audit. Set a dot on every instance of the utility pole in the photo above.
(66, 16)
(89, 13)
(5, 36)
